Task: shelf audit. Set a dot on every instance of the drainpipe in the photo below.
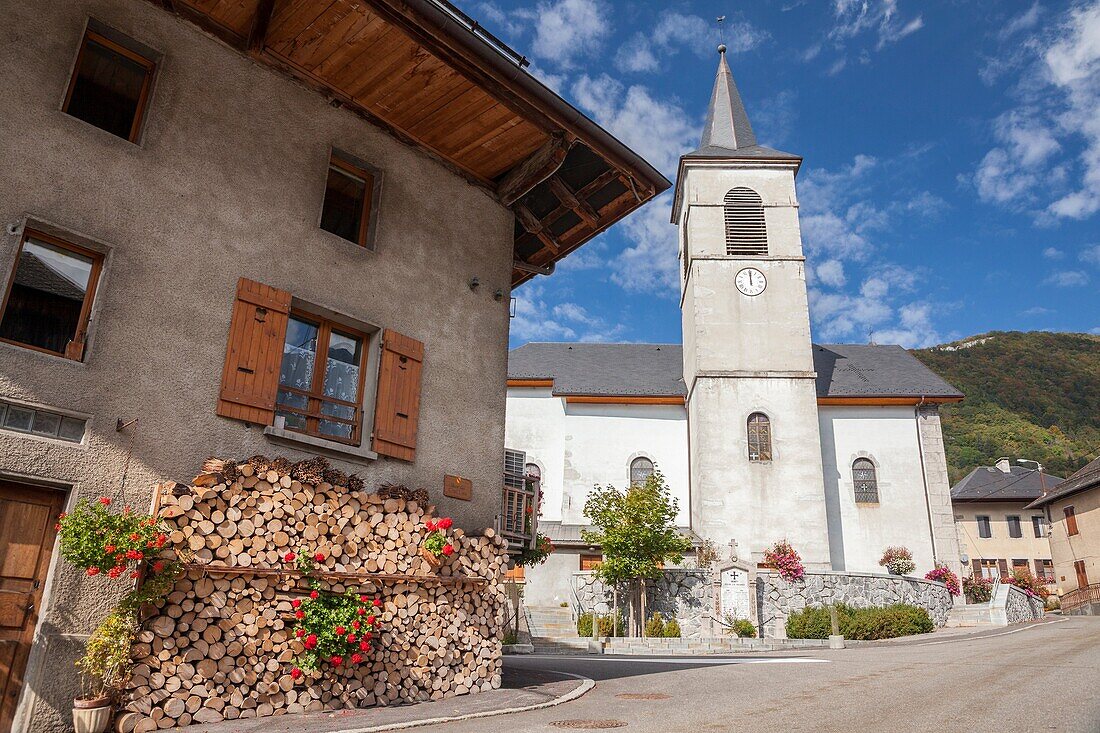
(924, 478)
(536, 269)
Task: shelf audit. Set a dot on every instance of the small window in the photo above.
(49, 298)
(349, 197)
(1045, 570)
(760, 437)
(1019, 563)
(591, 562)
(991, 568)
(640, 469)
(985, 529)
(21, 419)
(1014, 529)
(109, 87)
(746, 234)
(325, 402)
(1071, 521)
(1039, 525)
(865, 480)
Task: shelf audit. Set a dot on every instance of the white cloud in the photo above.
(658, 129)
(650, 264)
(1047, 154)
(1037, 311)
(1067, 279)
(568, 29)
(537, 319)
(914, 329)
(853, 18)
(834, 216)
(673, 31)
(1053, 253)
(591, 256)
(1091, 254)
(831, 273)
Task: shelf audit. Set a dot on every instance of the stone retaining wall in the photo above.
(1020, 607)
(777, 598)
(682, 594)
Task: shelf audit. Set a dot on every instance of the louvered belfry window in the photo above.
(866, 481)
(746, 234)
(760, 437)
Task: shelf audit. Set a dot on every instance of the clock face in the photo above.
(751, 281)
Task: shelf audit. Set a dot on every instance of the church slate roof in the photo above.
(656, 370)
(1085, 479)
(989, 483)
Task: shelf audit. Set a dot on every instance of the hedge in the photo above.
(899, 619)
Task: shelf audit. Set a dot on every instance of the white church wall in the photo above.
(535, 424)
(549, 584)
(858, 533)
(758, 503)
(601, 440)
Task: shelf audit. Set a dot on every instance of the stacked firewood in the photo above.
(222, 646)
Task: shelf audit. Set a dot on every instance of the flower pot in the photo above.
(432, 560)
(91, 716)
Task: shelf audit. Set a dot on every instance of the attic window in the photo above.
(746, 234)
(349, 200)
(110, 86)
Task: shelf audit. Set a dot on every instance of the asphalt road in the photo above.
(1036, 678)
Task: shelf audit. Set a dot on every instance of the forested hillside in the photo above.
(1028, 395)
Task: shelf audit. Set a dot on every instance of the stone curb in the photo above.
(586, 684)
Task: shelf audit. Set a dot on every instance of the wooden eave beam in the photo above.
(539, 166)
(532, 224)
(578, 206)
(261, 21)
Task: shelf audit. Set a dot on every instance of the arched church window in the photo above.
(641, 468)
(532, 471)
(746, 234)
(760, 437)
(865, 480)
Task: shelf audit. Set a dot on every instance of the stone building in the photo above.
(761, 434)
(195, 203)
(997, 532)
(1073, 510)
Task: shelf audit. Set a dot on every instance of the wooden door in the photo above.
(1082, 576)
(27, 518)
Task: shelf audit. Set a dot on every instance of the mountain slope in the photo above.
(1028, 395)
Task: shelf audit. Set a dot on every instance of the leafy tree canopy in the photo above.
(636, 529)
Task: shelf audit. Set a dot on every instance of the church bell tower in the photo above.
(754, 441)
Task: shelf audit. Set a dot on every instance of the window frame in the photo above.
(630, 469)
(1019, 527)
(372, 178)
(734, 218)
(874, 480)
(84, 321)
(988, 526)
(324, 333)
(150, 66)
(1071, 521)
(767, 421)
(1038, 526)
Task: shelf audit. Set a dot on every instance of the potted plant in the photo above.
(104, 669)
(436, 546)
(898, 561)
(785, 560)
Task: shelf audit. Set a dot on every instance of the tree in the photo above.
(636, 529)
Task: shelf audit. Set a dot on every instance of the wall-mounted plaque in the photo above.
(457, 487)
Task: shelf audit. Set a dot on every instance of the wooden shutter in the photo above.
(1039, 572)
(397, 404)
(250, 379)
(977, 565)
(1002, 565)
(1071, 521)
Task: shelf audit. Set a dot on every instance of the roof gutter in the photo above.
(436, 18)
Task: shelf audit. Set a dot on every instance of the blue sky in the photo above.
(951, 182)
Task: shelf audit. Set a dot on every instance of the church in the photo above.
(760, 434)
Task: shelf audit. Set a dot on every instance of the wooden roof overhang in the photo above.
(431, 77)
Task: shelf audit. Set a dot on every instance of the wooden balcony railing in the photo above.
(1081, 596)
(518, 518)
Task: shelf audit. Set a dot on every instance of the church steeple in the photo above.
(727, 124)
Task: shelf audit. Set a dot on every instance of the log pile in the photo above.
(220, 646)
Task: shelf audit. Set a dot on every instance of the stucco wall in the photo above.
(859, 532)
(1000, 545)
(579, 445)
(227, 182)
(1085, 545)
(548, 584)
(777, 598)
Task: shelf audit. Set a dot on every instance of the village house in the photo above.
(997, 532)
(200, 199)
(1073, 511)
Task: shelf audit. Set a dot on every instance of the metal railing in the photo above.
(1081, 596)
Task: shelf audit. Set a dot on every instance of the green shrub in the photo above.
(740, 627)
(584, 625)
(861, 624)
(672, 629)
(509, 637)
(655, 626)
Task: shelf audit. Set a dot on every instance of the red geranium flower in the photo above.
(363, 599)
(336, 659)
(93, 571)
(134, 537)
(314, 595)
(377, 603)
(370, 620)
(158, 566)
(299, 615)
(368, 636)
(134, 574)
(161, 539)
(109, 549)
(364, 645)
(360, 611)
(105, 501)
(448, 550)
(311, 641)
(289, 557)
(339, 630)
(445, 523)
(115, 571)
(356, 658)
(57, 527)
(355, 625)
(300, 633)
(319, 557)
(295, 674)
(429, 525)
(296, 602)
(351, 638)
